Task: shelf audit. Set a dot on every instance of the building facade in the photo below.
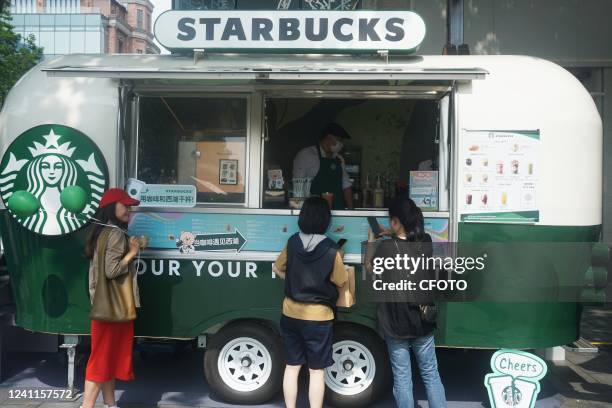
(86, 26)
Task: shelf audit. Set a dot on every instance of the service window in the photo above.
(196, 141)
(389, 140)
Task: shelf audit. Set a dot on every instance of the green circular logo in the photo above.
(59, 175)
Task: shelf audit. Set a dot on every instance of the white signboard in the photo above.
(499, 176)
(296, 31)
(161, 195)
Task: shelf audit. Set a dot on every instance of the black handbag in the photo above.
(429, 313)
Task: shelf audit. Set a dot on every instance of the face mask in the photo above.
(337, 147)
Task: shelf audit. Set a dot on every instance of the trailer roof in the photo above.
(264, 67)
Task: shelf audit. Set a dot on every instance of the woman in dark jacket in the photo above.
(400, 315)
(313, 270)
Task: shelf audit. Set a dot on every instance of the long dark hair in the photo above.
(410, 216)
(105, 215)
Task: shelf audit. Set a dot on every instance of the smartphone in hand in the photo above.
(374, 226)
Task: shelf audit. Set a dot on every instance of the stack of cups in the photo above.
(301, 187)
(307, 187)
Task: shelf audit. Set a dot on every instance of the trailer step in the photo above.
(582, 345)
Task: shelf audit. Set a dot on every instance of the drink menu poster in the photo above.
(498, 176)
(424, 189)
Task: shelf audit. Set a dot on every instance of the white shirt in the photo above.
(307, 164)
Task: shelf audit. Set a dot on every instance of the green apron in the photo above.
(329, 180)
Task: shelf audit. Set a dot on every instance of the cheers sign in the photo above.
(291, 31)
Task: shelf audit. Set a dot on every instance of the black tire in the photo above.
(224, 382)
(367, 340)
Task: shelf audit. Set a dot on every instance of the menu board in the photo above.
(499, 176)
(424, 189)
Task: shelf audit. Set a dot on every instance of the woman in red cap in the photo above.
(111, 252)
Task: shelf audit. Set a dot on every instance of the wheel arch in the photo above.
(214, 324)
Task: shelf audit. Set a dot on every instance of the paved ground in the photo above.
(585, 380)
(166, 380)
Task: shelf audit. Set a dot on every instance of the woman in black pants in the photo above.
(313, 269)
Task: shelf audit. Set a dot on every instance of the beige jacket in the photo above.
(115, 251)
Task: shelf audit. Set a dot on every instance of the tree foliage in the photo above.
(16, 55)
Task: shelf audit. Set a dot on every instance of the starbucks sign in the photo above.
(286, 31)
(52, 178)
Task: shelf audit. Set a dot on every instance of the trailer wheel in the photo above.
(361, 371)
(243, 363)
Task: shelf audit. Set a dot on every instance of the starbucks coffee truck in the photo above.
(495, 149)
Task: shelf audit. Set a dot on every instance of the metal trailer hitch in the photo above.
(70, 343)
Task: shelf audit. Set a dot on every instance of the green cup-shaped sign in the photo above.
(23, 204)
(518, 364)
(74, 199)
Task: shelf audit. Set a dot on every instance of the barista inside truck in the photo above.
(324, 165)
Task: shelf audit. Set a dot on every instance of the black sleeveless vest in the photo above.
(308, 274)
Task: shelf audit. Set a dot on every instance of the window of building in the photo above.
(62, 42)
(93, 20)
(93, 42)
(77, 20)
(62, 22)
(77, 41)
(18, 20)
(47, 42)
(47, 22)
(195, 141)
(139, 19)
(32, 21)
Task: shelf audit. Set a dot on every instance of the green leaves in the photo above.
(16, 55)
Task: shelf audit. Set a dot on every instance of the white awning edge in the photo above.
(353, 74)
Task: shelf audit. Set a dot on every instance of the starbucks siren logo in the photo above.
(515, 380)
(56, 176)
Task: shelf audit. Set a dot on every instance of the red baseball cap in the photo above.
(117, 195)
